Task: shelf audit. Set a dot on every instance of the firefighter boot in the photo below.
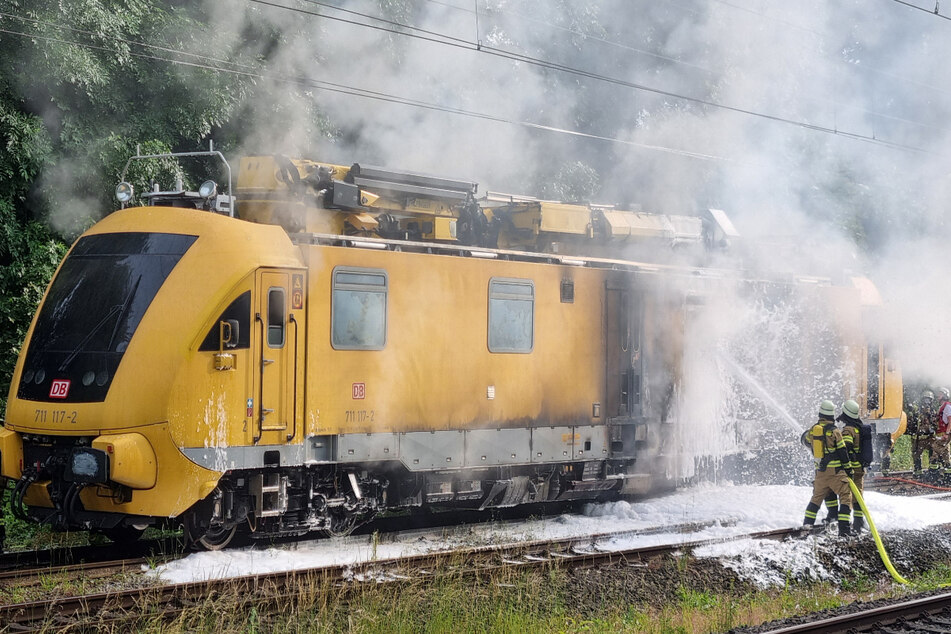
(858, 525)
(845, 517)
(832, 510)
(808, 522)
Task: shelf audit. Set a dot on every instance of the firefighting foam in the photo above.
(730, 511)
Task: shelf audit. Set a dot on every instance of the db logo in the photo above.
(60, 388)
(359, 390)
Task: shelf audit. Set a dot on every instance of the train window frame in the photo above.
(501, 296)
(239, 308)
(361, 284)
(276, 320)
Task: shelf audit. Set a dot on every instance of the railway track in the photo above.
(25, 579)
(90, 608)
(35, 567)
(11, 562)
(920, 614)
(276, 588)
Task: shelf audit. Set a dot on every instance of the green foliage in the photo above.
(901, 455)
(26, 145)
(84, 83)
(99, 74)
(31, 254)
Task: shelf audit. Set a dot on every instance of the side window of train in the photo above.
(238, 313)
(358, 309)
(511, 315)
(275, 317)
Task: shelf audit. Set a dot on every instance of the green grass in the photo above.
(901, 455)
(507, 600)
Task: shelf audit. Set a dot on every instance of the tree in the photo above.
(84, 82)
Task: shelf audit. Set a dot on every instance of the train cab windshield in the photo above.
(92, 310)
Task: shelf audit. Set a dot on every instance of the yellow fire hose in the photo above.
(878, 540)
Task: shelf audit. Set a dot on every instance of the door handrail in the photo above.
(293, 320)
(260, 417)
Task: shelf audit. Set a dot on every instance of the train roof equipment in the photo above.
(309, 197)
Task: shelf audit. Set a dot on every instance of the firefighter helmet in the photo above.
(850, 409)
(945, 395)
(827, 408)
(927, 394)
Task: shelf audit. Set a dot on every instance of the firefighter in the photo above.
(921, 428)
(860, 455)
(832, 469)
(939, 448)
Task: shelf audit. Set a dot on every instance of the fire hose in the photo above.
(916, 483)
(878, 540)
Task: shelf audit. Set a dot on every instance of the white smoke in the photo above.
(829, 147)
(819, 127)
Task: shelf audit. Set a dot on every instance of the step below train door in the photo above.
(278, 350)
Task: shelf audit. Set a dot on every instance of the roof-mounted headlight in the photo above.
(124, 192)
(208, 189)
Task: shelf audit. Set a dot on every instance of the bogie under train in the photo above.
(355, 342)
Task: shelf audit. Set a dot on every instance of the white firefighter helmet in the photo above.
(851, 409)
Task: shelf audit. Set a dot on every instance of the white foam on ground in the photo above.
(733, 510)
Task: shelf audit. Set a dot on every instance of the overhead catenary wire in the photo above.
(462, 43)
(679, 62)
(381, 96)
(612, 43)
(933, 12)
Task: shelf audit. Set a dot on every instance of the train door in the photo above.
(623, 392)
(873, 367)
(884, 397)
(279, 346)
(623, 354)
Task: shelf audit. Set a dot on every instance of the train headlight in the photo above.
(87, 465)
(208, 189)
(124, 192)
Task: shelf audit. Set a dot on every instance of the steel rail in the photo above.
(574, 551)
(872, 619)
(23, 577)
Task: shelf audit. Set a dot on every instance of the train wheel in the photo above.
(202, 534)
(341, 525)
(217, 538)
(123, 534)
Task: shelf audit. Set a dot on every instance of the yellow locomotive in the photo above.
(333, 342)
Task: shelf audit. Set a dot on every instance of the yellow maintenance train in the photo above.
(331, 342)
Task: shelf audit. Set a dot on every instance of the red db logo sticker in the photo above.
(359, 391)
(60, 388)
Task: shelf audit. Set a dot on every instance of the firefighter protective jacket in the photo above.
(834, 451)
